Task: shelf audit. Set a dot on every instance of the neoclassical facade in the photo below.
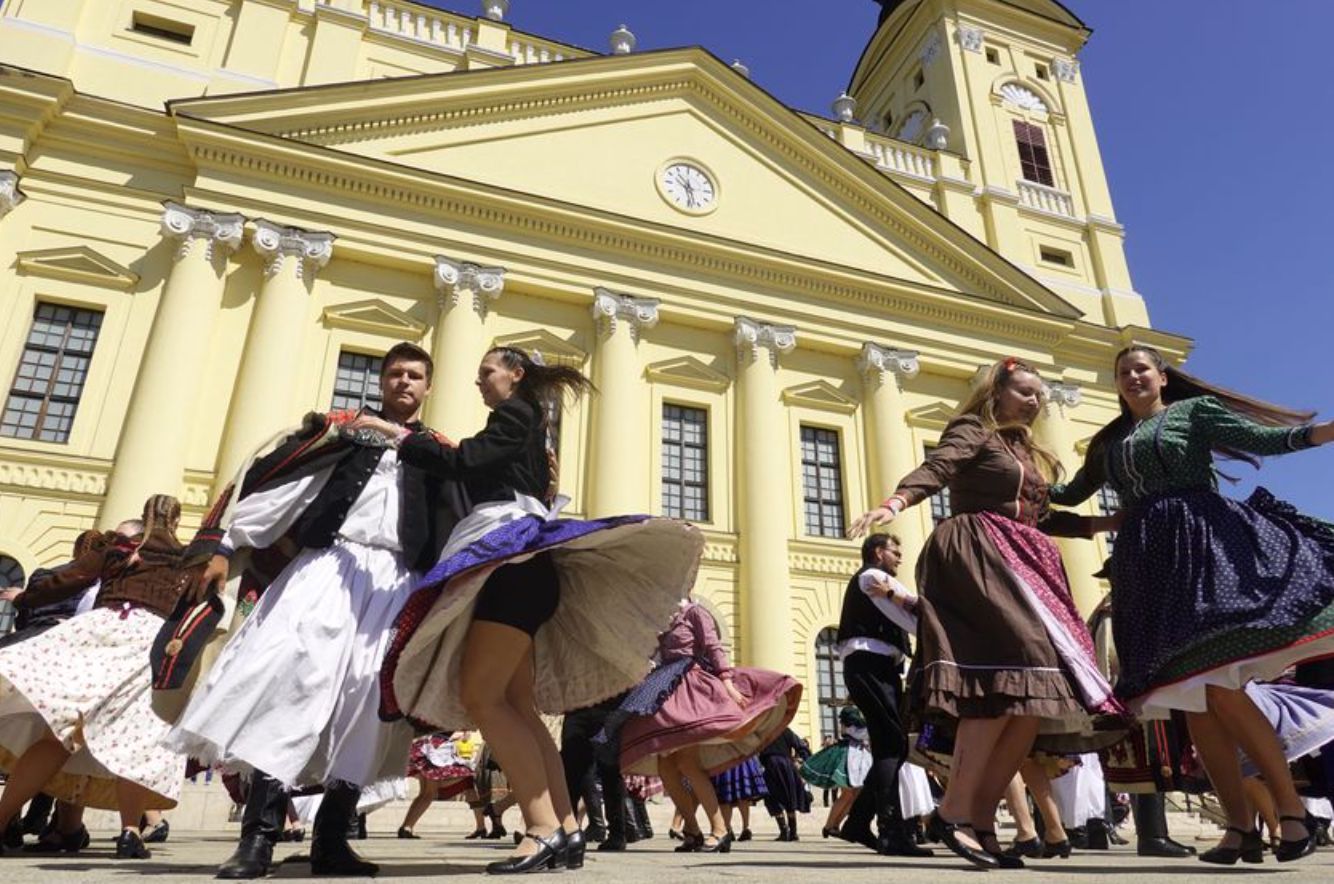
(215, 216)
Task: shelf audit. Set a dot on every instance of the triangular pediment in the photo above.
(554, 350)
(688, 371)
(77, 264)
(822, 395)
(600, 135)
(935, 416)
(376, 317)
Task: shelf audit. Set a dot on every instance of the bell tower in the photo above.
(998, 82)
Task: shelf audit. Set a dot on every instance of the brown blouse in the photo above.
(153, 583)
(989, 471)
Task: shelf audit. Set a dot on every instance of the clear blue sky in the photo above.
(1216, 120)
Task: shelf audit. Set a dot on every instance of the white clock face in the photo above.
(688, 187)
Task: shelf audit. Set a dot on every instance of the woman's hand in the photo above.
(734, 693)
(375, 424)
(881, 515)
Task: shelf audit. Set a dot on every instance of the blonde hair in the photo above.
(162, 513)
(981, 403)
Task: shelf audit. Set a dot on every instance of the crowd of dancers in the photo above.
(365, 581)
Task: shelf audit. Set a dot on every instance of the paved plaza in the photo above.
(191, 857)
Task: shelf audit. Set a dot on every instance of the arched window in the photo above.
(11, 573)
(830, 693)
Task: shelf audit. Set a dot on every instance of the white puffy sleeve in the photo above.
(264, 516)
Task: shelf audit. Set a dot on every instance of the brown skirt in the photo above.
(982, 651)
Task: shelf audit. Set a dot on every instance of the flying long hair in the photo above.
(1181, 386)
(542, 384)
(982, 403)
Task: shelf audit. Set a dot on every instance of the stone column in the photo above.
(465, 292)
(271, 361)
(10, 195)
(889, 442)
(764, 516)
(622, 428)
(1053, 428)
(150, 458)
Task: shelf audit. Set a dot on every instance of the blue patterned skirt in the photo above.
(743, 782)
(1208, 590)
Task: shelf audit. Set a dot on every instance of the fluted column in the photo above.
(465, 292)
(764, 517)
(10, 195)
(150, 458)
(622, 428)
(889, 441)
(1054, 430)
(262, 398)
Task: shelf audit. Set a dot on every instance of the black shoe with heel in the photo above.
(691, 842)
(576, 845)
(1250, 849)
(1030, 847)
(1055, 849)
(1003, 860)
(719, 845)
(947, 833)
(1287, 851)
(130, 846)
(546, 857)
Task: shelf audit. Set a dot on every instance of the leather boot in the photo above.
(642, 821)
(613, 801)
(261, 826)
(1097, 834)
(330, 853)
(596, 827)
(1151, 839)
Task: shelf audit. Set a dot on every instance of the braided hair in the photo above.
(162, 514)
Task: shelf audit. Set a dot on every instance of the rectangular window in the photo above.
(162, 28)
(357, 383)
(941, 509)
(1041, 71)
(1108, 503)
(685, 463)
(1056, 256)
(993, 56)
(52, 371)
(830, 691)
(822, 482)
(1033, 158)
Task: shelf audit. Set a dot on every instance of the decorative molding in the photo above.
(554, 350)
(374, 317)
(751, 337)
(276, 244)
(51, 477)
(77, 264)
(875, 361)
(1022, 97)
(1062, 394)
(454, 278)
(221, 233)
(820, 395)
(970, 38)
(10, 195)
(931, 48)
(610, 308)
(1065, 69)
(828, 559)
(935, 416)
(688, 371)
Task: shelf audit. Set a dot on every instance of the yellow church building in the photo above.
(216, 214)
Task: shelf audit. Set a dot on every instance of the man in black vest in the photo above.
(873, 646)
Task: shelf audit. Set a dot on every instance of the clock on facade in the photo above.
(688, 187)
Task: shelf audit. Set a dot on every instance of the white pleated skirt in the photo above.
(296, 691)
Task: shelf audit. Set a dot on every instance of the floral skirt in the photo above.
(87, 681)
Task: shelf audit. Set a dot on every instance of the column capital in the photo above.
(276, 244)
(610, 307)
(970, 37)
(220, 232)
(752, 336)
(10, 195)
(875, 361)
(1062, 394)
(453, 278)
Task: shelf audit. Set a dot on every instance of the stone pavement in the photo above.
(192, 858)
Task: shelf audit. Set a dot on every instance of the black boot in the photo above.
(38, 814)
(1150, 812)
(642, 821)
(1098, 834)
(613, 800)
(792, 826)
(330, 853)
(261, 826)
(783, 830)
(596, 827)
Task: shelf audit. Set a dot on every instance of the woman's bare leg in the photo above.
(1017, 800)
(1009, 751)
(520, 695)
(426, 792)
(973, 742)
(1218, 751)
(31, 772)
(1251, 731)
(669, 771)
(1258, 796)
(702, 787)
(1040, 785)
(132, 799)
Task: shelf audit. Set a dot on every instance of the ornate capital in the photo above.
(970, 38)
(1065, 69)
(931, 48)
(10, 195)
(611, 307)
(276, 244)
(875, 362)
(220, 233)
(752, 337)
(1062, 394)
(453, 278)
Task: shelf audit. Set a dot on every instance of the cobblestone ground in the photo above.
(193, 857)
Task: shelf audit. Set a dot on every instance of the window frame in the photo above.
(1034, 153)
(366, 391)
(828, 664)
(835, 531)
(26, 345)
(705, 472)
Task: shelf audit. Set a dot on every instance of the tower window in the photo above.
(993, 55)
(1042, 72)
(1056, 256)
(1033, 158)
(918, 80)
(162, 28)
